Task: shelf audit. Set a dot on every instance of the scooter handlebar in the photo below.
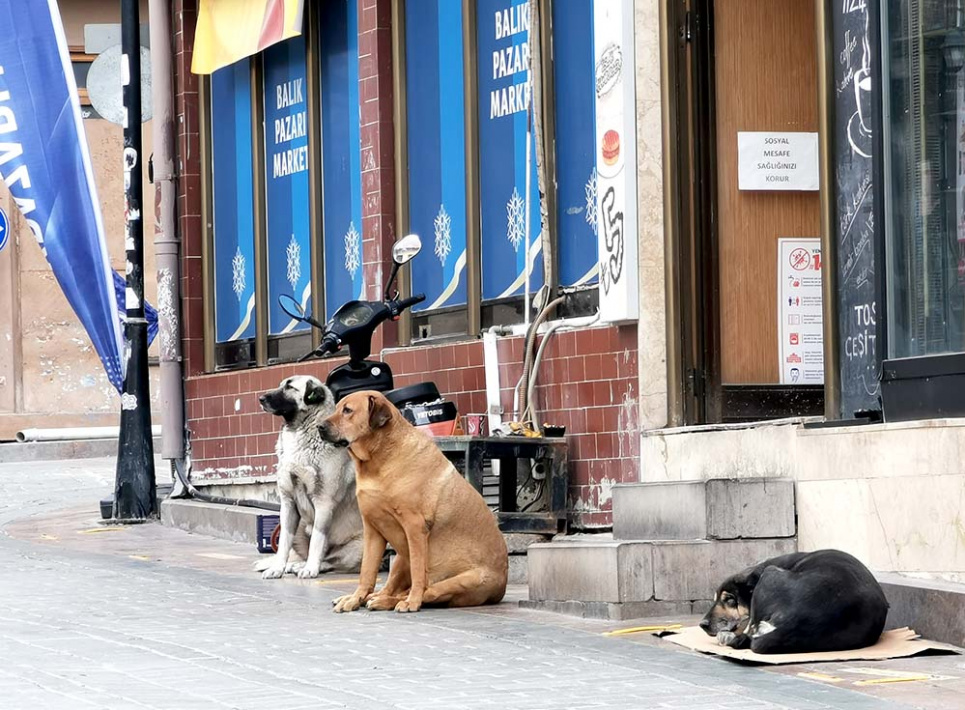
(409, 302)
(328, 346)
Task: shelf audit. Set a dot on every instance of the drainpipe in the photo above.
(166, 243)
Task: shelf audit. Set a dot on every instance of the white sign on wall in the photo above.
(799, 308)
(777, 161)
(616, 159)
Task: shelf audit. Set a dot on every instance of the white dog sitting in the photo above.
(321, 528)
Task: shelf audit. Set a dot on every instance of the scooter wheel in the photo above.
(413, 394)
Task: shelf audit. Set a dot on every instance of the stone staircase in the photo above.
(672, 546)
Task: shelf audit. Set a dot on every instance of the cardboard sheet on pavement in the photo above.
(896, 643)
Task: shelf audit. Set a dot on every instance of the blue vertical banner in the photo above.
(45, 163)
(575, 95)
(341, 153)
(436, 128)
(4, 229)
(287, 190)
(504, 93)
(233, 203)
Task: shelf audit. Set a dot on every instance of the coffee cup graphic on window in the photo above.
(859, 127)
(862, 96)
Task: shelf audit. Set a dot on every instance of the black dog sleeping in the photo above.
(799, 603)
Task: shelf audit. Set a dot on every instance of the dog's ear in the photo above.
(379, 415)
(745, 582)
(314, 394)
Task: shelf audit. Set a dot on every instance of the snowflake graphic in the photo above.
(443, 227)
(353, 253)
(238, 280)
(591, 201)
(294, 255)
(516, 222)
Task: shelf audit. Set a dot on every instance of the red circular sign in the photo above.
(800, 259)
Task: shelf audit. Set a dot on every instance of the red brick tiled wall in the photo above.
(588, 383)
(588, 379)
(188, 167)
(378, 149)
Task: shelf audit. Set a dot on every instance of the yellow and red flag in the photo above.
(230, 30)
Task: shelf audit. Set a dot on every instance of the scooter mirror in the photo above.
(404, 250)
(292, 307)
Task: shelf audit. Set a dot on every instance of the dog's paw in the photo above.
(308, 572)
(273, 572)
(350, 602)
(406, 606)
(294, 567)
(726, 638)
(378, 603)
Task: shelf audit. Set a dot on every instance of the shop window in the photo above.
(574, 74)
(341, 154)
(925, 177)
(232, 198)
(436, 147)
(502, 34)
(80, 62)
(287, 191)
(265, 242)
(469, 202)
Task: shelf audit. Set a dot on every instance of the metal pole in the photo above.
(829, 281)
(135, 497)
(166, 245)
(526, 231)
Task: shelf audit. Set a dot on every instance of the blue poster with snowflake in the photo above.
(575, 95)
(287, 188)
(232, 204)
(436, 135)
(503, 76)
(341, 153)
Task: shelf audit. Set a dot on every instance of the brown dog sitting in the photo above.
(450, 550)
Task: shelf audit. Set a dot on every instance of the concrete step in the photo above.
(660, 511)
(227, 522)
(240, 524)
(718, 509)
(933, 608)
(70, 449)
(621, 579)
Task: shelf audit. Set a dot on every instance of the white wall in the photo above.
(891, 494)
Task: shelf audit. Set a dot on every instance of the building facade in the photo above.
(300, 167)
(792, 197)
(50, 375)
(813, 329)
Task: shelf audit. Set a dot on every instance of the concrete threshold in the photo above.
(240, 524)
(61, 450)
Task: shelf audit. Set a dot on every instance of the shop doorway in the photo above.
(746, 68)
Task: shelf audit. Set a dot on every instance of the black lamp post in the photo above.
(135, 497)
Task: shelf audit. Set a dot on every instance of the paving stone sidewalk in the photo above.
(97, 624)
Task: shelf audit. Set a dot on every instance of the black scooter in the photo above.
(353, 324)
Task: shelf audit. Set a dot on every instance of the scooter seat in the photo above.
(420, 393)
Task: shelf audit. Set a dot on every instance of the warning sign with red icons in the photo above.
(799, 307)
